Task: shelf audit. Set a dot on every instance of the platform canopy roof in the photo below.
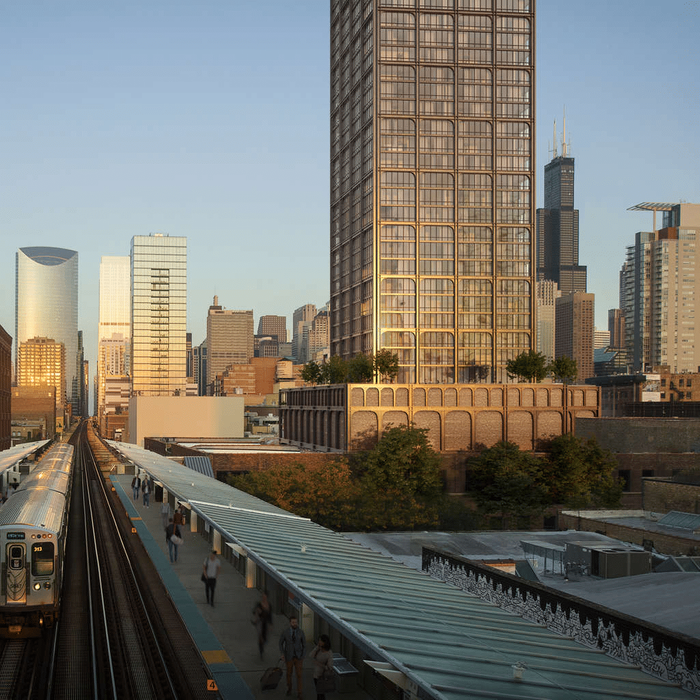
(14, 455)
(441, 641)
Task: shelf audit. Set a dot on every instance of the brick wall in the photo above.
(642, 435)
(661, 496)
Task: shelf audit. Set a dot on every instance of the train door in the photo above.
(16, 557)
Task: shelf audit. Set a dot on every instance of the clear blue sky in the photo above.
(210, 120)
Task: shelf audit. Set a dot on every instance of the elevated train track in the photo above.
(118, 634)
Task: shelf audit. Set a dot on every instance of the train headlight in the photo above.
(37, 586)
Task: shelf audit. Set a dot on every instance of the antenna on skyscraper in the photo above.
(554, 141)
(565, 147)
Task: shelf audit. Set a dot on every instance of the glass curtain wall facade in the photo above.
(158, 315)
(114, 330)
(47, 307)
(432, 206)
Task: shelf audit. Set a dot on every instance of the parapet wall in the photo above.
(673, 657)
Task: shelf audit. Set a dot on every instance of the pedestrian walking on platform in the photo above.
(146, 488)
(173, 531)
(262, 619)
(210, 573)
(165, 512)
(179, 518)
(293, 647)
(323, 666)
(136, 486)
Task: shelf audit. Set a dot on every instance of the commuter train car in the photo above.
(33, 528)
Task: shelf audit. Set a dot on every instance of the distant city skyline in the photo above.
(174, 135)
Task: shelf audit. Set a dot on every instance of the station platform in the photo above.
(223, 633)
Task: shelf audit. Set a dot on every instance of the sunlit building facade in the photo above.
(114, 330)
(41, 362)
(432, 207)
(158, 315)
(47, 308)
(5, 386)
(660, 291)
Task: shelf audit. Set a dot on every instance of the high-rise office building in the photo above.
(42, 362)
(616, 328)
(660, 291)
(47, 308)
(557, 226)
(5, 389)
(316, 336)
(158, 315)
(199, 360)
(575, 314)
(432, 208)
(229, 339)
(114, 328)
(547, 295)
(274, 327)
(301, 318)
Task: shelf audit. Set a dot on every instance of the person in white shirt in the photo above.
(210, 573)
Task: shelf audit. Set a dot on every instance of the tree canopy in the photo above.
(394, 486)
(574, 473)
(507, 482)
(361, 369)
(563, 369)
(581, 474)
(529, 366)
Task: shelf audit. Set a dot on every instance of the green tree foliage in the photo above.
(574, 473)
(529, 366)
(360, 370)
(394, 486)
(327, 493)
(507, 482)
(334, 371)
(563, 369)
(405, 461)
(311, 373)
(581, 474)
(386, 365)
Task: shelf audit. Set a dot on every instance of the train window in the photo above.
(16, 558)
(42, 559)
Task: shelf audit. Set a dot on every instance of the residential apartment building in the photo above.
(158, 315)
(660, 291)
(46, 309)
(432, 181)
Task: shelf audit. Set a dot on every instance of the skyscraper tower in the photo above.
(158, 315)
(432, 132)
(47, 307)
(557, 225)
(114, 329)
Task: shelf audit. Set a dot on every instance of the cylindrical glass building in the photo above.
(47, 307)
